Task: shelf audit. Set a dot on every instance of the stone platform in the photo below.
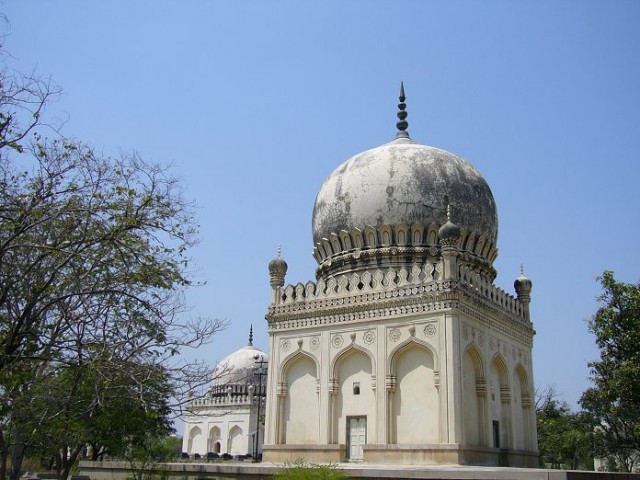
(264, 471)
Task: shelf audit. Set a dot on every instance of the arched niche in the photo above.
(500, 403)
(195, 436)
(353, 393)
(521, 409)
(474, 390)
(236, 444)
(301, 404)
(214, 437)
(415, 399)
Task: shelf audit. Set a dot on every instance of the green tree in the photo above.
(93, 269)
(564, 437)
(613, 403)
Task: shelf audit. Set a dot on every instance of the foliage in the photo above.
(301, 470)
(564, 437)
(613, 403)
(144, 458)
(93, 269)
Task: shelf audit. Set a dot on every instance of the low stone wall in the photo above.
(266, 471)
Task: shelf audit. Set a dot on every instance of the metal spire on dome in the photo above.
(251, 336)
(402, 123)
(448, 212)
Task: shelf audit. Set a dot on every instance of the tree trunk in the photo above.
(68, 461)
(58, 461)
(19, 449)
(4, 455)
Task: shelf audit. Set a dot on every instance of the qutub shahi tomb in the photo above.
(403, 351)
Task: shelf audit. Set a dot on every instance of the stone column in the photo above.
(390, 386)
(483, 422)
(505, 400)
(332, 436)
(280, 422)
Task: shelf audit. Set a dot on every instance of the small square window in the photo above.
(356, 388)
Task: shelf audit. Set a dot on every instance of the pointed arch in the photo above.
(353, 392)
(236, 445)
(500, 403)
(347, 351)
(300, 407)
(474, 390)
(345, 238)
(195, 437)
(413, 401)
(432, 235)
(214, 438)
(476, 354)
(289, 359)
(371, 236)
(385, 234)
(522, 409)
(521, 374)
(500, 364)
(401, 234)
(412, 341)
(417, 235)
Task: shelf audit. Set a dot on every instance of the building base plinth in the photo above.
(309, 453)
(447, 454)
(383, 454)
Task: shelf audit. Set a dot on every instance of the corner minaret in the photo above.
(277, 271)
(449, 235)
(523, 286)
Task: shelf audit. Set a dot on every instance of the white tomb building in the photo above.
(403, 351)
(226, 419)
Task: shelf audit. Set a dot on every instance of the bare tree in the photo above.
(93, 268)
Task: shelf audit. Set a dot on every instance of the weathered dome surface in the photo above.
(403, 182)
(239, 367)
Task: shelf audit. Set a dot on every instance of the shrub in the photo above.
(301, 470)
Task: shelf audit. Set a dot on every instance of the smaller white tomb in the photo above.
(226, 419)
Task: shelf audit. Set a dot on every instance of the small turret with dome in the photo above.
(277, 272)
(449, 233)
(523, 287)
(384, 207)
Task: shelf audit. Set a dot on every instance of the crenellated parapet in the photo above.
(214, 401)
(231, 395)
(395, 282)
(485, 289)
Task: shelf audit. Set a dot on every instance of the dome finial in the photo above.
(251, 335)
(402, 123)
(448, 212)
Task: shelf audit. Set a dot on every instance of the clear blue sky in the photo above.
(255, 103)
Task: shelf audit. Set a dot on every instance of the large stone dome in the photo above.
(404, 182)
(392, 199)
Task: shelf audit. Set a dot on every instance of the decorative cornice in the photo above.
(401, 303)
(346, 252)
